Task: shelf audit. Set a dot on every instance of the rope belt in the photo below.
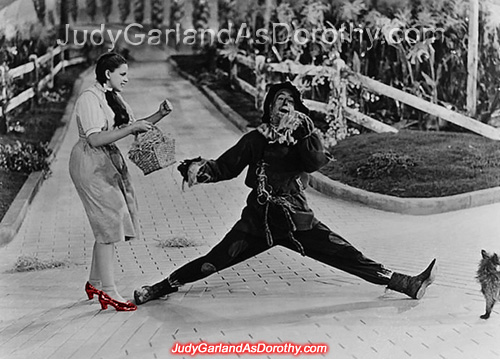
(265, 197)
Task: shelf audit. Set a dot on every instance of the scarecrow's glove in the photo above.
(294, 127)
(304, 129)
(194, 171)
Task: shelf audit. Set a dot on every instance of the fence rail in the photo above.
(39, 84)
(371, 85)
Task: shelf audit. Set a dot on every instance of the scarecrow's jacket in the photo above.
(286, 169)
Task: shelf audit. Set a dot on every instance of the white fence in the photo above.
(372, 86)
(33, 66)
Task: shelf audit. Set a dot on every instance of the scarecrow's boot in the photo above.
(155, 291)
(413, 286)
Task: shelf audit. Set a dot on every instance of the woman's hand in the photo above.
(140, 126)
(165, 108)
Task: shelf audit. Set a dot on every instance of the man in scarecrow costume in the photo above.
(278, 154)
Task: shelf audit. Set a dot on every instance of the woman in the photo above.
(278, 154)
(100, 174)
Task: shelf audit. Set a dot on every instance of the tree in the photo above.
(138, 10)
(176, 12)
(91, 8)
(73, 9)
(201, 16)
(107, 5)
(124, 8)
(40, 10)
(156, 13)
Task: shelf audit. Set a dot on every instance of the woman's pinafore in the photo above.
(100, 174)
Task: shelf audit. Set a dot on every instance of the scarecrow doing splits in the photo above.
(278, 154)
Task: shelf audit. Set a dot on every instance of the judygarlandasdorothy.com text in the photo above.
(277, 33)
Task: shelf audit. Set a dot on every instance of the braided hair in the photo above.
(111, 61)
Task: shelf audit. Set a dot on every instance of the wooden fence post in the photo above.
(62, 57)
(35, 80)
(51, 81)
(233, 73)
(260, 81)
(4, 99)
(472, 57)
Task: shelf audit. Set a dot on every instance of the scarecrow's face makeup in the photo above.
(282, 105)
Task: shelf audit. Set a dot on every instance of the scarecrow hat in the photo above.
(271, 94)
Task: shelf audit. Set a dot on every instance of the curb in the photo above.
(329, 187)
(411, 205)
(13, 219)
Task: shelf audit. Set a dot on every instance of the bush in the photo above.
(24, 157)
(382, 164)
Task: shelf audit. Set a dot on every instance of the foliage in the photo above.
(383, 164)
(139, 10)
(427, 58)
(17, 50)
(24, 157)
(124, 9)
(226, 12)
(176, 12)
(57, 95)
(73, 9)
(201, 16)
(430, 62)
(156, 13)
(231, 50)
(91, 8)
(40, 10)
(106, 7)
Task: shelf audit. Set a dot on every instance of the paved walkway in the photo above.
(275, 297)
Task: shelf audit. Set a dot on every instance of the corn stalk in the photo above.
(156, 14)
(73, 9)
(40, 10)
(124, 9)
(91, 9)
(176, 12)
(107, 6)
(138, 11)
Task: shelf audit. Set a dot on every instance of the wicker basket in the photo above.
(152, 150)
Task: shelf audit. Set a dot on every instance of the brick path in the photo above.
(275, 297)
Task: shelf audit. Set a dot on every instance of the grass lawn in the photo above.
(406, 164)
(416, 164)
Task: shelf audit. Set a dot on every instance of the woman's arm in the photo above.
(164, 110)
(154, 118)
(106, 137)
